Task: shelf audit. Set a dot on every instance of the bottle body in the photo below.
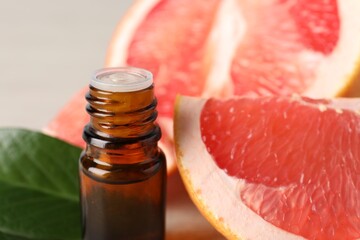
(122, 170)
(131, 207)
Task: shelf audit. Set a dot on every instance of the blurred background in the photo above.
(48, 51)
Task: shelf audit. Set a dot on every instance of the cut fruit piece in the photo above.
(69, 124)
(243, 47)
(272, 167)
(183, 220)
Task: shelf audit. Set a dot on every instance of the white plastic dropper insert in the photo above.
(122, 79)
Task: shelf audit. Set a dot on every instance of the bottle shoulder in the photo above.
(103, 171)
(101, 140)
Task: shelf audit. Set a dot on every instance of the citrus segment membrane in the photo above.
(170, 44)
(215, 193)
(283, 45)
(226, 47)
(298, 158)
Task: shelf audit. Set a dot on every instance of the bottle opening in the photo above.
(122, 79)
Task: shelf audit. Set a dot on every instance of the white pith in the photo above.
(228, 30)
(334, 74)
(167, 129)
(337, 69)
(216, 192)
(125, 30)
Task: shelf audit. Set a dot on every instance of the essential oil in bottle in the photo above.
(122, 170)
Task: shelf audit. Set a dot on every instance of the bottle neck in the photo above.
(122, 125)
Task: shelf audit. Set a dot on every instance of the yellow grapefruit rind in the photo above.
(215, 194)
(222, 228)
(353, 88)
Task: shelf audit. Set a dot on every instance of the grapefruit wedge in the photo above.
(272, 167)
(226, 47)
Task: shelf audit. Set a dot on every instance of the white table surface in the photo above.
(48, 51)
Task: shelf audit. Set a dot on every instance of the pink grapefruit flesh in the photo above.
(222, 48)
(272, 55)
(69, 124)
(273, 167)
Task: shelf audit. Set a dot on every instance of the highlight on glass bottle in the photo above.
(122, 170)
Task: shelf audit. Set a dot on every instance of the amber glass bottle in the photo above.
(122, 170)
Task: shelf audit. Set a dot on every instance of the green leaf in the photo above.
(39, 187)
(4, 236)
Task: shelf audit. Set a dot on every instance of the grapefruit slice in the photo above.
(69, 123)
(272, 167)
(225, 47)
